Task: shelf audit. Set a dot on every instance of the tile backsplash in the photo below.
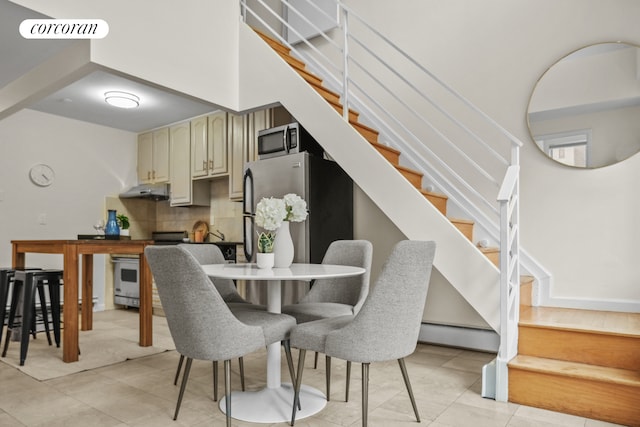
(147, 216)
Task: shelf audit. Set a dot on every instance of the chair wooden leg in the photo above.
(175, 380)
(405, 376)
(215, 380)
(296, 394)
(346, 393)
(227, 390)
(328, 376)
(183, 386)
(365, 393)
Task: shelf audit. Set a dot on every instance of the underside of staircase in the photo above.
(465, 226)
(579, 362)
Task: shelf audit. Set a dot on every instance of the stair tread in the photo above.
(362, 126)
(385, 147)
(271, 40)
(576, 370)
(489, 249)
(607, 322)
(462, 220)
(432, 194)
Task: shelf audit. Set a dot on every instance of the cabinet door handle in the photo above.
(210, 164)
(148, 174)
(204, 164)
(153, 174)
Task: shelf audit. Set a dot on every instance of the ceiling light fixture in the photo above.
(121, 99)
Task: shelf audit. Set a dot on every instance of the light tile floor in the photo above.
(140, 392)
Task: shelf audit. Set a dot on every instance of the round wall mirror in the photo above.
(585, 109)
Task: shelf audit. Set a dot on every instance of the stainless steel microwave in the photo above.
(286, 139)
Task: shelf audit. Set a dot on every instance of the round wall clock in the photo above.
(42, 175)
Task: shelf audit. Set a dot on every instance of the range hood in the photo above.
(147, 191)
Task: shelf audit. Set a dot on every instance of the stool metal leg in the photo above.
(27, 305)
(4, 295)
(43, 310)
(54, 299)
(17, 286)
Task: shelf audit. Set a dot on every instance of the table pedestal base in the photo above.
(273, 405)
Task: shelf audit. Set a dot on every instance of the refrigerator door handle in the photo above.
(286, 139)
(248, 209)
(247, 195)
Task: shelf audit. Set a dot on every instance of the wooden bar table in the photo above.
(72, 250)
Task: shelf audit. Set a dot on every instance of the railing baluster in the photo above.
(345, 64)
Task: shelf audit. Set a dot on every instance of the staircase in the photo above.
(580, 362)
(392, 155)
(553, 370)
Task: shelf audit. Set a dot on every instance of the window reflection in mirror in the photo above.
(585, 109)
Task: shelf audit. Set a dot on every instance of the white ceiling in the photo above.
(83, 100)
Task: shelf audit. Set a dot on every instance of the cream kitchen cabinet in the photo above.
(242, 133)
(238, 153)
(209, 146)
(184, 191)
(153, 156)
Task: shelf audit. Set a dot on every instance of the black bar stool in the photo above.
(27, 282)
(6, 283)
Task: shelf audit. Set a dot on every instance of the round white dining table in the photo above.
(273, 404)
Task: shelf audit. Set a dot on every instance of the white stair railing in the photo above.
(486, 189)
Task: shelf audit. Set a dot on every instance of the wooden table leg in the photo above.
(70, 310)
(146, 306)
(17, 258)
(87, 292)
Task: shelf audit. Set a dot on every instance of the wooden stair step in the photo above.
(413, 176)
(367, 132)
(465, 226)
(600, 338)
(438, 200)
(493, 253)
(275, 44)
(391, 154)
(353, 115)
(293, 62)
(327, 94)
(307, 75)
(603, 393)
(526, 291)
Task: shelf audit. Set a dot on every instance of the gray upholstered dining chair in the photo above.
(339, 296)
(386, 327)
(201, 324)
(211, 254)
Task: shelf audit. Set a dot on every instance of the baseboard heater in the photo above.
(457, 336)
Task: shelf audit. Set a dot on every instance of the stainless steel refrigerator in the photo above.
(325, 187)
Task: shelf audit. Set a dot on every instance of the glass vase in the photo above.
(112, 228)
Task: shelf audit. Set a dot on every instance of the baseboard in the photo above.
(456, 336)
(589, 304)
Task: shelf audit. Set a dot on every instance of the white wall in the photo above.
(90, 162)
(579, 223)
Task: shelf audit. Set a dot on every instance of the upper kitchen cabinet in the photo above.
(209, 146)
(242, 134)
(184, 191)
(153, 156)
